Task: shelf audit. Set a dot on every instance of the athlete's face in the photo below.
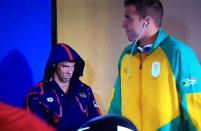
(65, 71)
(132, 22)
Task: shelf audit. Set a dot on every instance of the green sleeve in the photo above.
(189, 87)
(115, 105)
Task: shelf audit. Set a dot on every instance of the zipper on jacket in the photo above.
(140, 65)
(142, 58)
(141, 94)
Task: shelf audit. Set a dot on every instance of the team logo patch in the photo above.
(82, 95)
(189, 82)
(50, 99)
(95, 104)
(155, 70)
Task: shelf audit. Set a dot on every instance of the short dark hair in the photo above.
(153, 8)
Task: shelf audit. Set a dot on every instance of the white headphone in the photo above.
(145, 24)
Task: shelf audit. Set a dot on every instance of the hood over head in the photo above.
(63, 52)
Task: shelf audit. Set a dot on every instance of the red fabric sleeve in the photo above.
(16, 119)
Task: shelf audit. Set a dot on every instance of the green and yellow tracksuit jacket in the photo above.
(162, 92)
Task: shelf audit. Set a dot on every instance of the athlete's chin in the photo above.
(67, 79)
(130, 39)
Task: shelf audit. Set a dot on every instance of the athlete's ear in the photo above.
(145, 24)
(147, 21)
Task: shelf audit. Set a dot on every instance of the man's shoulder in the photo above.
(39, 89)
(127, 49)
(84, 86)
(174, 44)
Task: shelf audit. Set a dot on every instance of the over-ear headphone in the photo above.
(145, 24)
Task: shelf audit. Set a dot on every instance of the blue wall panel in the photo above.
(25, 42)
